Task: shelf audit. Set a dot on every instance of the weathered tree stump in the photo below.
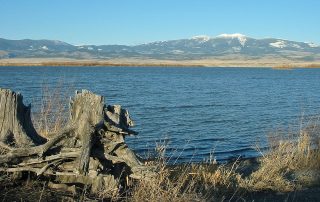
(86, 112)
(89, 150)
(15, 122)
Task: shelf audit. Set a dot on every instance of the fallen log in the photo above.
(89, 150)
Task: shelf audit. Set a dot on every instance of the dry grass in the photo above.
(166, 188)
(53, 111)
(284, 66)
(290, 163)
(186, 182)
(173, 183)
(3, 150)
(190, 182)
(232, 61)
(313, 65)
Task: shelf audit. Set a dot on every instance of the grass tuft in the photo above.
(288, 165)
(51, 116)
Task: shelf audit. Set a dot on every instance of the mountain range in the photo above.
(224, 46)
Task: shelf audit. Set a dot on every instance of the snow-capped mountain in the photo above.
(197, 47)
(241, 38)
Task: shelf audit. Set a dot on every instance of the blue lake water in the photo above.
(196, 110)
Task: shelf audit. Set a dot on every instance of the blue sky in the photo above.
(140, 21)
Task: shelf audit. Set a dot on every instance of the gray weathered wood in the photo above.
(16, 127)
(86, 112)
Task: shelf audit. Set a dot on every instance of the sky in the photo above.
(134, 22)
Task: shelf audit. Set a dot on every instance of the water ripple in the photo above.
(196, 110)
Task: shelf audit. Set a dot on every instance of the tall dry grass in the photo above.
(290, 163)
(186, 182)
(166, 188)
(53, 112)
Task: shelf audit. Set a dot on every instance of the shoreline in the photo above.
(66, 62)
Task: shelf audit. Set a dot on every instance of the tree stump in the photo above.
(86, 112)
(16, 128)
(89, 150)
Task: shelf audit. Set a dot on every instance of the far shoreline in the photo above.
(125, 62)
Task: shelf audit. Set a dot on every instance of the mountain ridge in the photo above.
(223, 46)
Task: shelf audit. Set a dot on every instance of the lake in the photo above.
(195, 111)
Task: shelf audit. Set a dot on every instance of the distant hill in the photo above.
(224, 46)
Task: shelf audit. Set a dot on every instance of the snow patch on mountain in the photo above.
(235, 35)
(313, 45)
(278, 44)
(236, 49)
(157, 43)
(296, 45)
(242, 41)
(44, 48)
(177, 51)
(241, 38)
(202, 38)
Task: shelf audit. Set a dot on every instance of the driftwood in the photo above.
(89, 150)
